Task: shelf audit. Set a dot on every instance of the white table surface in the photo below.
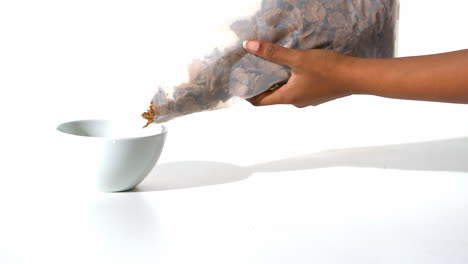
(231, 188)
(358, 180)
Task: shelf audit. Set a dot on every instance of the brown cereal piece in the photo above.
(149, 114)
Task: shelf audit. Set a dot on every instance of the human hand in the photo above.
(317, 76)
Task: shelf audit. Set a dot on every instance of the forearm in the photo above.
(441, 77)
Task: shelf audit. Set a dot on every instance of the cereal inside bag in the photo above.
(361, 28)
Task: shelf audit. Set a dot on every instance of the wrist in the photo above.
(354, 71)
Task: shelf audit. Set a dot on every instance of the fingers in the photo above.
(268, 98)
(276, 54)
(273, 52)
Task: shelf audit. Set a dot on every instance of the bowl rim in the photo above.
(162, 132)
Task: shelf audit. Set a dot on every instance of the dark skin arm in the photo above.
(319, 76)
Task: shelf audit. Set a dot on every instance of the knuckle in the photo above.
(270, 51)
(300, 104)
(297, 101)
(299, 60)
(252, 102)
(255, 103)
(291, 99)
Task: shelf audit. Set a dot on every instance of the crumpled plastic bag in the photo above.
(361, 28)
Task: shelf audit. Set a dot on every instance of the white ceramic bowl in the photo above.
(111, 155)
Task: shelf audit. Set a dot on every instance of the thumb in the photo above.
(272, 52)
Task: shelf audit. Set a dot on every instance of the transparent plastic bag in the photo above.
(215, 75)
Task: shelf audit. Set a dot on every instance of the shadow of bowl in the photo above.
(438, 155)
(188, 174)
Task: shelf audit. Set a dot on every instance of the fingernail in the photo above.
(251, 45)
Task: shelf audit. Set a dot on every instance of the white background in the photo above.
(322, 184)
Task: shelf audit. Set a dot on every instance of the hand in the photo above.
(317, 76)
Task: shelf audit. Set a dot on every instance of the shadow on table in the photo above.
(440, 155)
